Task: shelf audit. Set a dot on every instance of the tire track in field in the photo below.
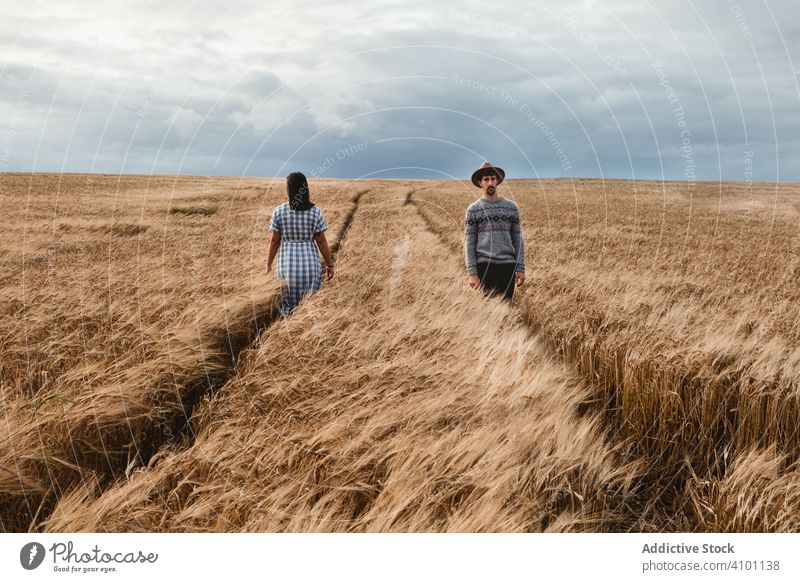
(677, 462)
(594, 405)
(485, 457)
(237, 343)
(664, 495)
(174, 431)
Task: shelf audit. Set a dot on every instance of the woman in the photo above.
(298, 229)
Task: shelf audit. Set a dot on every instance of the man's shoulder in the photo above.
(476, 205)
(503, 203)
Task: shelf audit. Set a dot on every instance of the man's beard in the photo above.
(490, 190)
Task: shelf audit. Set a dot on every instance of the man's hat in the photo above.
(487, 169)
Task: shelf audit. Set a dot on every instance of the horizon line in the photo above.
(465, 179)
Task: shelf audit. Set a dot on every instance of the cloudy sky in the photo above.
(684, 90)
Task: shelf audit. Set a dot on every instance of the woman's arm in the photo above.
(274, 244)
(322, 243)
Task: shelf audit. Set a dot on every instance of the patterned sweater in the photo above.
(492, 233)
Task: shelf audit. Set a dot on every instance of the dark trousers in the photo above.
(497, 278)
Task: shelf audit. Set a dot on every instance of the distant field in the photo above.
(644, 379)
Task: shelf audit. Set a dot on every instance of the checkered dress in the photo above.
(298, 261)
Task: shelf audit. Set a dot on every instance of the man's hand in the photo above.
(520, 277)
(474, 281)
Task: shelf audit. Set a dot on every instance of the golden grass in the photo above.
(646, 377)
(115, 314)
(679, 304)
(193, 210)
(395, 400)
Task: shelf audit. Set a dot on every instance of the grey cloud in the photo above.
(213, 89)
(259, 83)
(212, 35)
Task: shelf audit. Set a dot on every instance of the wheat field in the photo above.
(645, 377)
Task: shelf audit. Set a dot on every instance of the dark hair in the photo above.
(297, 189)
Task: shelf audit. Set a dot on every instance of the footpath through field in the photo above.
(396, 399)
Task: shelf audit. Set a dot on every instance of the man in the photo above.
(493, 244)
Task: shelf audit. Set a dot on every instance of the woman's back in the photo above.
(296, 236)
(297, 225)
